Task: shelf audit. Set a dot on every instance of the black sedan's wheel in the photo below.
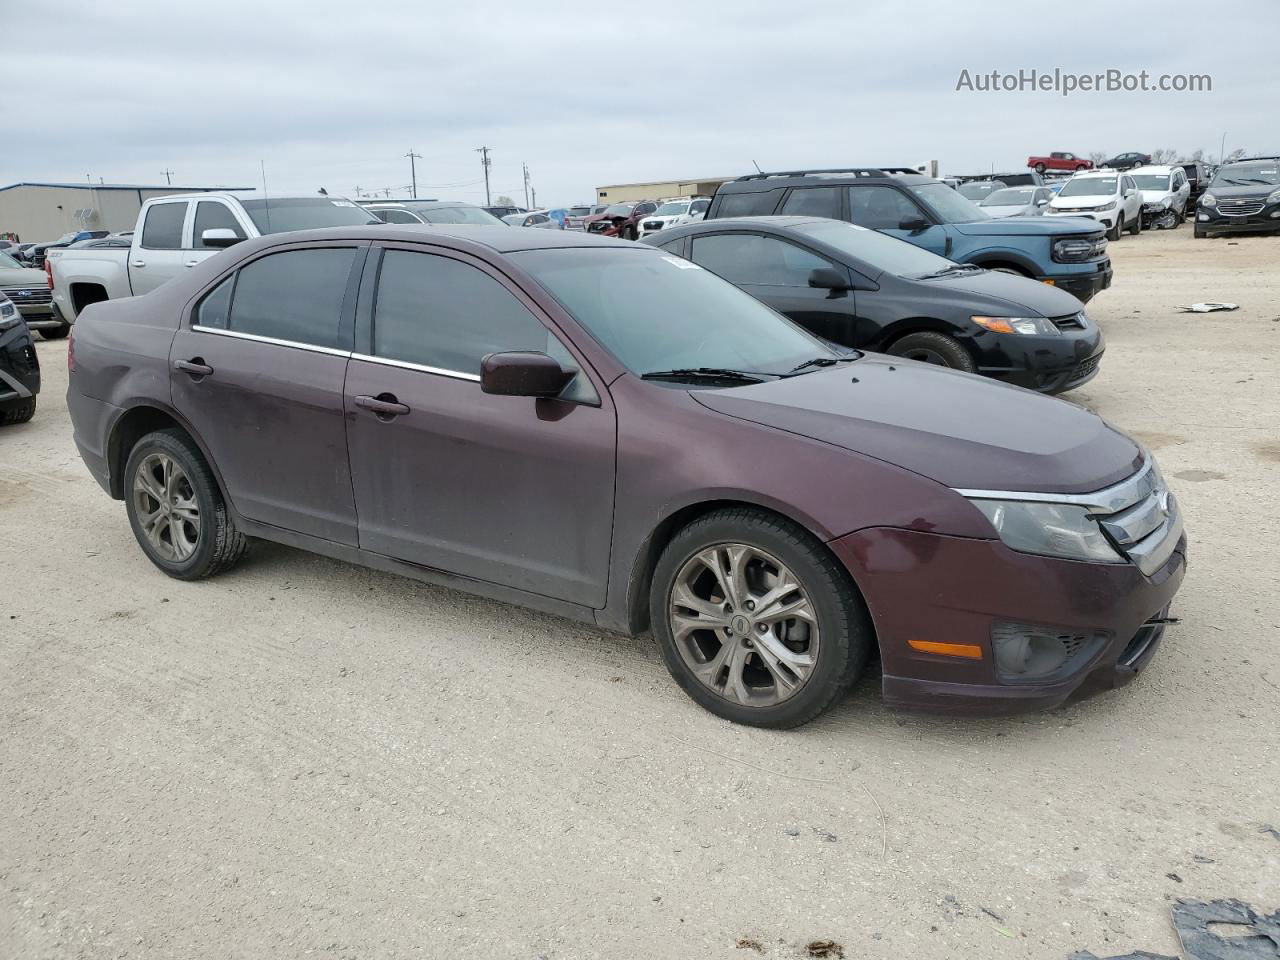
(756, 620)
(936, 348)
(176, 510)
(56, 333)
(18, 411)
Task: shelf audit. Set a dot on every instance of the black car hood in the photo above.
(959, 429)
(1249, 191)
(1021, 296)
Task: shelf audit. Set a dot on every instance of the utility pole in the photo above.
(484, 162)
(413, 171)
(359, 193)
(168, 177)
(526, 185)
(535, 197)
(1222, 150)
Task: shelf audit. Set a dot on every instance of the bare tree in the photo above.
(1164, 155)
(1098, 158)
(503, 201)
(1235, 154)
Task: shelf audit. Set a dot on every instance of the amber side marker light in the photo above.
(969, 651)
(1050, 283)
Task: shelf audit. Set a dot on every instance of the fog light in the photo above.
(1025, 652)
(1203, 216)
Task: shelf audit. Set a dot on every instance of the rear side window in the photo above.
(749, 204)
(880, 208)
(748, 258)
(813, 202)
(216, 306)
(213, 216)
(162, 230)
(296, 296)
(446, 314)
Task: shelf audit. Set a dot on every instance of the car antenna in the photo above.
(266, 203)
(757, 166)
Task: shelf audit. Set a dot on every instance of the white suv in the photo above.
(671, 211)
(1108, 196)
(1165, 191)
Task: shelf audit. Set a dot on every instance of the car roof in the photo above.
(500, 239)
(1090, 174)
(419, 204)
(767, 181)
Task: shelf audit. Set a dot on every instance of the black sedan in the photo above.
(19, 368)
(1127, 161)
(864, 289)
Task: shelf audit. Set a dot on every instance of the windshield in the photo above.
(656, 312)
(1010, 197)
(949, 205)
(878, 250)
(1247, 174)
(1151, 181)
(618, 210)
(8, 262)
(1089, 187)
(672, 209)
(458, 214)
(978, 189)
(304, 213)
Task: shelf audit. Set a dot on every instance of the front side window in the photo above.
(295, 295)
(749, 258)
(162, 230)
(211, 215)
(813, 202)
(881, 208)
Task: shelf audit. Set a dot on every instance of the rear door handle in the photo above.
(191, 263)
(385, 405)
(194, 367)
(139, 263)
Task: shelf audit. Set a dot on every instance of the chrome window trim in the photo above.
(420, 367)
(314, 348)
(1111, 499)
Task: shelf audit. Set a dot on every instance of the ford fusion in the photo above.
(610, 433)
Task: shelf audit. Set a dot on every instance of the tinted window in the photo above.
(447, 314)
(213, 216)
(813, 202)
(749, 204)
(214, 308)
(880, 207)
(396, 216)
(296, 295)
(284, 214)
(474, 215)
(162, 230)
(748, 258)
(877, 251)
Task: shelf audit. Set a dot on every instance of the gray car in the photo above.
(430, 211)
(534, 218)
(1016, 202)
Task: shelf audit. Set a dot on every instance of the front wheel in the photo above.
(176, 509)
(1113, 234)
(936, 348)
(1135, 227)
(1200, 232)
(756, 620)
(1040, 168)
(56, 333)
(18, 411)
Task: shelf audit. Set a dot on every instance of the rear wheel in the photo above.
(756, 620)
(939, 349)
(1040, 168)
(19, 411)
(1081, 166)
(1135, 227)
(56, 333)
(176, 509)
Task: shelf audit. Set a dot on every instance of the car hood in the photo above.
(959, 429)
(1021, 227)
(665, 218)
(1012, 295)
(22, 277)
(1012, 210)
(1250, 190)
(1081, 203)
(1155, 196)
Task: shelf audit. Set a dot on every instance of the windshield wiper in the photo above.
(703, 373)
(825, 361)
(947, 271)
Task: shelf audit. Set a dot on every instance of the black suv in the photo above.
(1198, 175)
(1244, 196)
(19, 368)
(1066, 252)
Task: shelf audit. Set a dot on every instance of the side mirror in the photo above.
(219, 237)
(523, 374)
(829, 278)
(913, 224)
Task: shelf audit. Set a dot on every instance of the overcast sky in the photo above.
(591, 93)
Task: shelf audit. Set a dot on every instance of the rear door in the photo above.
(257, 370)
(157, 254)
(776, 272)
(510, 490)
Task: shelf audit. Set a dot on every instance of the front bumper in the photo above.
(1047, 364)
(19, 365)
(931, 587)
(1085, 284)
(1106, 217)
(1266, 219)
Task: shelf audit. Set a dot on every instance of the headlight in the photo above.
(1208, 200)
(1049, 529)
(1041, 326)
(1273, 196)
(1110, 205)
(1078, 249)
(8, 314)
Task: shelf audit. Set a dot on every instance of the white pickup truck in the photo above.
(177, 232)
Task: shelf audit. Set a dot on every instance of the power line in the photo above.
(484, 162)
(413, 171)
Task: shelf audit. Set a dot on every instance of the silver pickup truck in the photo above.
(177, 232)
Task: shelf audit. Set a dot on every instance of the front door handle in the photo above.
(191, 263)
(138, 263)
(385, 405)
(196, 367)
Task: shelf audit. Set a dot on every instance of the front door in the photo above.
(884, 208)
(511, 490)
(258, 372)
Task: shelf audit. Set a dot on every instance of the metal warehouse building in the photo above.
(35, 212)
(626, 192)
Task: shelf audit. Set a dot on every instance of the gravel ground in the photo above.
(307, 758)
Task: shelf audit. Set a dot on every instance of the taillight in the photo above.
(48, 271)
(71, 350)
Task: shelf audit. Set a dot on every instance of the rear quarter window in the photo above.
(757, 204)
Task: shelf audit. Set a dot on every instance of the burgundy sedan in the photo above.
(597, 429)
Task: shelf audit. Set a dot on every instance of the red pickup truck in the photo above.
(1059, 161)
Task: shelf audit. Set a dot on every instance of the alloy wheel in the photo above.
(744, 624)
(166, 505)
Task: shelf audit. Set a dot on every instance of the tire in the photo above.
(19, 411)
(1135, 228)
(1114, 233)
(1040, 168)
(737, 665)
(1200, 232)
(1081, 166)
(927, 346)
(629, 233)
(56, 333)
(216, 544)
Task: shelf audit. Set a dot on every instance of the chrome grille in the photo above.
(29, 295)
(1072, 321)
(1240, 207)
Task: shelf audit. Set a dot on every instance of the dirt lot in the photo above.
(303, 758)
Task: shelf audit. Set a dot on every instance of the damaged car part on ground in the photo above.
(660, 450)
(1199, 926)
